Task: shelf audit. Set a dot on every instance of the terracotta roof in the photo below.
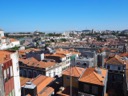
(41, 82)
(3, 37)
(62, 51)
(29, 61)
(4, 56)
(55, 55)
(73, 51)
(23, 80)
(93, 77)
(13, 40)
(124, 54)
(35, 63)
(23, 52)
(46, 92)
(74, 71)
(115, 60)
(46, 64)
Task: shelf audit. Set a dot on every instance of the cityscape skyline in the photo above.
(66, 15)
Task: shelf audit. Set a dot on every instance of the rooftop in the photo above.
(35, 63)
(94, 76)
(41, 82)
(74, 71)
(55, 55)
(23, 52)
(4, 56)
(115, 60)
(62, 51)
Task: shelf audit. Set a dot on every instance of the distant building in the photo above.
(93, 82)
(6, 43)
(61, 56)
(87, 59)
(31, 52)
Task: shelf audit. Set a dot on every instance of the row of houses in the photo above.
(96, 81)
(34, 67)
(50, 64)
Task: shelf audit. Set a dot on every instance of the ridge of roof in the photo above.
(98, 76)
(116, 58)
(90, 76)
(75, 71)
(119, 59)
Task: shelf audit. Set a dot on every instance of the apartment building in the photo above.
(9, 74)
(93, 82)
(87, 59)
(6, 43)
(31, 67)
(116, 73)
(61, 56)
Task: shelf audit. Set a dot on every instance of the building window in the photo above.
(94, 90)
(30, 74)
(8, 75)
(35, 74)
(108, 67)
(78, 63)
(54, 73)
(86, 88)
(76, 79)
(25, 72)
(84, 64)
(21, 73)
(11, 73)
(67, 77)
(5, 75)
(49, 74)
(118, 68)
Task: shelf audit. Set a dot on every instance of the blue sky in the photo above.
(63, 15)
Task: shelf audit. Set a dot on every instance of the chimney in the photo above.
(97, 70)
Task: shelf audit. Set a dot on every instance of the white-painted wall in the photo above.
(1, 34)
(88, 61)
(5, 43)
(9, 45)
(15, 59)
(54, 72)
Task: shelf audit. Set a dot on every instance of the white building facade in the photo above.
(6, 43)
(15, 62)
